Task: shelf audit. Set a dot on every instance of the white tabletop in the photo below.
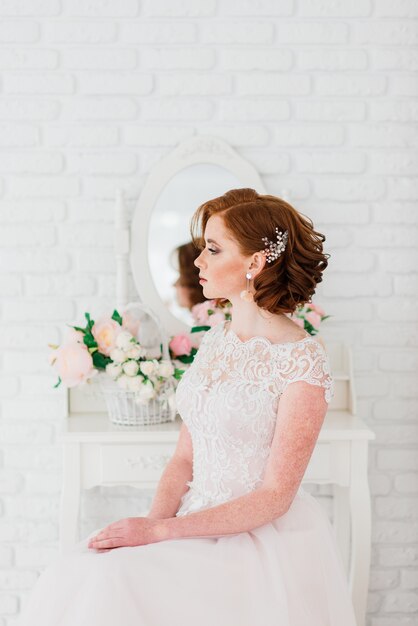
(340, 425)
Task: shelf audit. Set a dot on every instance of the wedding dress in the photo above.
(287, 572)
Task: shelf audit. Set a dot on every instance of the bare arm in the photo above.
(302, 409)
(172, 485)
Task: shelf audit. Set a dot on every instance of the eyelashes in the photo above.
(211, 250)
(201, 248)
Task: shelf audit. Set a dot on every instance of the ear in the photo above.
(258, 261)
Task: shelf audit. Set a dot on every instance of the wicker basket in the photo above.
(122, 406)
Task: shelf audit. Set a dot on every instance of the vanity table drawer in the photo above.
(142, 463)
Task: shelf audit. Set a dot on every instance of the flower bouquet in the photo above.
(138, 388)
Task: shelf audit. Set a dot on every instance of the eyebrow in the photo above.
(212, 241)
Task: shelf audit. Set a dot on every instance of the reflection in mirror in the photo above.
(170, 228)
(188, 289)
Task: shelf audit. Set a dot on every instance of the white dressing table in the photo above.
(98, 453)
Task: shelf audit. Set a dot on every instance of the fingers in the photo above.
(113, 542)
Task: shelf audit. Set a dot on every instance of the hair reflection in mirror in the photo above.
(189, 290)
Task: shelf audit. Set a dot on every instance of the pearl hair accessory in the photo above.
(273, 250)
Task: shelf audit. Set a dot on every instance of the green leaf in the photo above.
(117, 317)
(187, 358)
(100, 360)
(90, 322)
(178, 373)
(58, 383)
(197, 329)
(90, 341)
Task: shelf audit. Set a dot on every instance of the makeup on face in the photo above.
(211, 251)
(219, 263)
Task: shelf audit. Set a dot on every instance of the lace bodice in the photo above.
(228, 399)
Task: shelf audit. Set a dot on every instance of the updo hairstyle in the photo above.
(287, 282)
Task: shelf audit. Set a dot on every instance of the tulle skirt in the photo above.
(285, 573)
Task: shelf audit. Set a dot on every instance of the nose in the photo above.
(195, 262)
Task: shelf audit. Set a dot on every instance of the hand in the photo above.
(132, 531)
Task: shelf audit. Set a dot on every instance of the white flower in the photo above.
(147, 367)
(114, 370)
(135, 383)
(130, 368)
(123, 381)
(136, 352)
(145, 393)
(165, 368)
(117, 355)
(123, 340)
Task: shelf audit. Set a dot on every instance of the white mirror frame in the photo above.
(197, 150)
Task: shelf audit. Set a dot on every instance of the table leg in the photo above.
(360, 508)
(342, 524)
(70, 497)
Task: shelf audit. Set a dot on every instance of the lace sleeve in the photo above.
(308, 361)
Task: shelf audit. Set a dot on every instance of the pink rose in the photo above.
(314, 319)
(216, 318)
(316, 308)
(180, 344)
(105, 332)
(200, 311)
(73, 363)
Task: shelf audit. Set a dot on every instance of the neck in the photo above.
(248, 319)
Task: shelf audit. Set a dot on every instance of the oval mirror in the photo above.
(170, 225)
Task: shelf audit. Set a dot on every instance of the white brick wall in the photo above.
(321, 96)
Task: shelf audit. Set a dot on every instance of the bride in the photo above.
(231, 538)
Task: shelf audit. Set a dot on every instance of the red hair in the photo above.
(289, 281)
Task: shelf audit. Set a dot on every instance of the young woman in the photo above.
(232, 538)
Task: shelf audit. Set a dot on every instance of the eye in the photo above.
(212, 251)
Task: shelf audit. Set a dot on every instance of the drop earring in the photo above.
(246, 294)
